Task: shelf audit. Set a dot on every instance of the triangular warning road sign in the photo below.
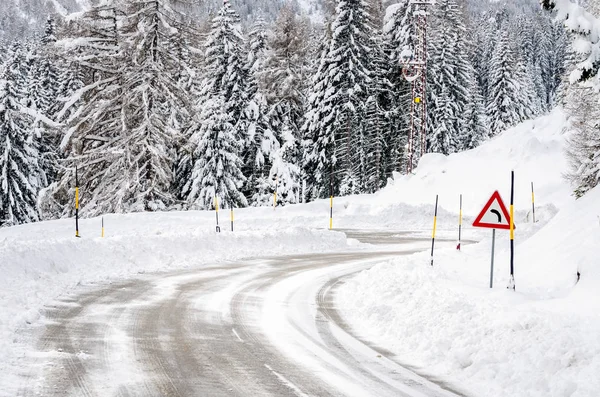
(494, 214)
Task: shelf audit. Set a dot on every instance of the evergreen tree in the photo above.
(583, 146)
(225, 71)
(21, 176)
(217, 168)
(398, 43)
(335, 126)
(451, 78)
(505, 93)
(283, 78)
(122, 136)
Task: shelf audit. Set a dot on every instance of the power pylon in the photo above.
(415, 72)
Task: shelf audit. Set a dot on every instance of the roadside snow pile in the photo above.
(41, 261)
(542, 340)
(533, 149)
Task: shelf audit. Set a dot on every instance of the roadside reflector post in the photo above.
(102, 227)
(511, 284)
(532, 202)
(76, 204)
(492, 269)
(331, 201)
(434, 228)
(218, 229)
(459, 223)
(331, 213)
(231, 206)
(275, 194)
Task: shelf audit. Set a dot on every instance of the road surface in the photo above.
(262, 327)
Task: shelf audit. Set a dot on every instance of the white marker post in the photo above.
(493, 216)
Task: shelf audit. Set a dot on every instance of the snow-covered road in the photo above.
(264, 327)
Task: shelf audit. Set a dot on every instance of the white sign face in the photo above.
(494, 215)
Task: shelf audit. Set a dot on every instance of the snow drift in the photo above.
(542, 340)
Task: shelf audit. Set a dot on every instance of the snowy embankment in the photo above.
(542, 340)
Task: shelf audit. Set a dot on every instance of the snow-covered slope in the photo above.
(542, 340)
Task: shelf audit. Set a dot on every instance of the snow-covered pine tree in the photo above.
(90, 105)
(225, 83)
(122, 136)
(217, 168)
(398, 41)
(150, 101)
(583, 145)
(43, 92)
(475, 130)
(335, 125)
(260, 139)
(451, 77)
(21, 176)
(225, 70)
(505, 96)
(283, 78)
(581, 101)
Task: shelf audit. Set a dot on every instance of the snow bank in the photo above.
(534, 150)
(542, 340)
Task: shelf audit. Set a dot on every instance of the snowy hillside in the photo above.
(541, 340)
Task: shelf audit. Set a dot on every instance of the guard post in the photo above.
(218, 229)
(532, 202)
(434, 228)
(231, 206)
(459, 223)
(76, 204)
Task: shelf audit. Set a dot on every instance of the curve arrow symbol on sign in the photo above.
(497, 214)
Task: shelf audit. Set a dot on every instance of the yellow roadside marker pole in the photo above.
(218, 229)
(76, 204)
(460, 216)
(511, 284)
(434, 228)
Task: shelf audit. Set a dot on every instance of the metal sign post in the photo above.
(492, 270)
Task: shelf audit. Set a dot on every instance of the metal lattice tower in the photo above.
(415, 72)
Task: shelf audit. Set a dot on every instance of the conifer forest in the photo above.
(161, 106)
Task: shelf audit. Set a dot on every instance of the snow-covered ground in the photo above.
(542, 340)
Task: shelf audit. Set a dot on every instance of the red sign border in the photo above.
(478, 223)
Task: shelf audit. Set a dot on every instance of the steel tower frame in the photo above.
(415, 72)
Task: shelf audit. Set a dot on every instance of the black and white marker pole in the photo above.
(76, 204)
(231, 206)
(459, 223)
(218, 229)
(434, 227)
(532, 202)
(511, 284)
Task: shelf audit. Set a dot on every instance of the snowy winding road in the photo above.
(263, 327)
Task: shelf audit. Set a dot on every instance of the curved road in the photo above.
(264, 327)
